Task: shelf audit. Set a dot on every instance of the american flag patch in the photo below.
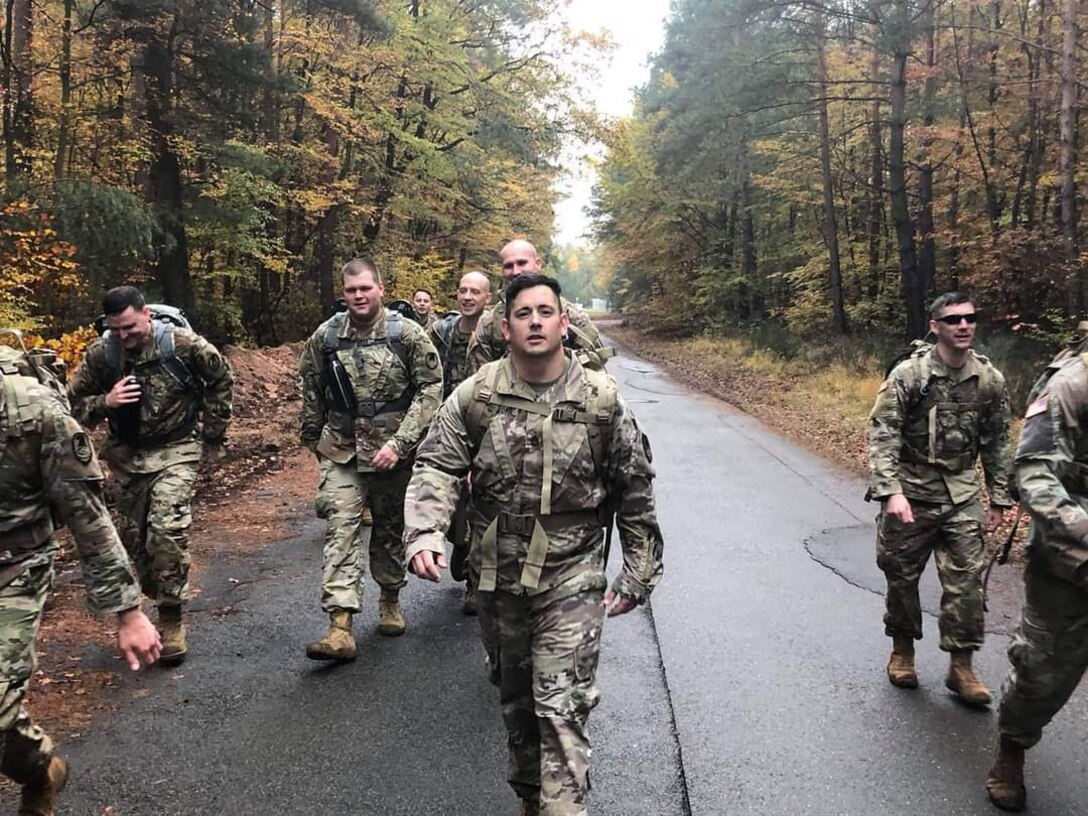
(1037, 407)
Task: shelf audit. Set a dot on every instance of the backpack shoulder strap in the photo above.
(484, 383)
(600, 407)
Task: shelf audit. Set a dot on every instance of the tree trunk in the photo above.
(18, 88)
(927, 250)
(60, 160)
(831, 226)
(876, 180)
(1068, 124)
(913, 287)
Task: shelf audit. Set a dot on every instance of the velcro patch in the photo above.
(432, 360)
(1038, 407)
(81, 448)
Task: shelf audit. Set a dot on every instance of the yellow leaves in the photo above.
(33, 263)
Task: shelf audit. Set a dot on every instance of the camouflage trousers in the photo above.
(24, 747)
(1048, 654)
(542, 651)
(155, 516)
(953, 534)
(342, 494)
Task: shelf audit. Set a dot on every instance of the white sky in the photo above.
(637, 27)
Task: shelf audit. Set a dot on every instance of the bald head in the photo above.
(519, 256)
(473, 294)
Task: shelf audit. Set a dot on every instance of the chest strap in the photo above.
(537, 529)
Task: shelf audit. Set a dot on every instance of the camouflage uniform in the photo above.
(929, 425)
(47, 470)
(345, 446)
(155, 467)
(487, 343)
(537, 546)
(1049, 651)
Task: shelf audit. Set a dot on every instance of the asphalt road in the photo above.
(754, 684)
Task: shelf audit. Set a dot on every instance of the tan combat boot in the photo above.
(901, 664)
(964, 683)
(172, 631)
(390, 618)
(1005, 783)
(468, 606)
(40, 793)
(338, 644)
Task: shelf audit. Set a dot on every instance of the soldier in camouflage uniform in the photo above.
(451, 337)
(488, 343)
(549, 445)
(1049, 651)
(166, 393)
(48, 471)
(936, 413)
(371, 381)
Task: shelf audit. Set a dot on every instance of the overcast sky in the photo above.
(637, 27)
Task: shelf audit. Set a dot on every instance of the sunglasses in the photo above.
(954, 320)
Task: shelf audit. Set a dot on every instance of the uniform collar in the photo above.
(349, 332)
(570, 381)
(941, 369)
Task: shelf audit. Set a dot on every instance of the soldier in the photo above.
(371, 381)
(1049, 651)
(936, 413)
(422, 302)
(549, 445)
(48, 470)
(166, 393)
(451, 337)
(488, 343)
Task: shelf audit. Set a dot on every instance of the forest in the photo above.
(813, 173)
(231, 155)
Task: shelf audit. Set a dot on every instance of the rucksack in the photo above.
(39, 363)
(1076, 346)
(600, 404)
(338, 378)
(164, 319)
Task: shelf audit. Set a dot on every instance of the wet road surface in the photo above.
(753, 684)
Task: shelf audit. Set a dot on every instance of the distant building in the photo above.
(598, 305)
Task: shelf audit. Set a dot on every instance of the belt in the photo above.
(536, 528)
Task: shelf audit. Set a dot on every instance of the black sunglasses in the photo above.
(954, 320)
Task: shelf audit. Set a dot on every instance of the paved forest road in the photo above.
(754, 685)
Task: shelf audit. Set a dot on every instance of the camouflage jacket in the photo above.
(48, 471)
(452, 345)
(173, 416)
(508, 457)
(1052, 471)
(929, 425)
(487, 343)
(380, 378)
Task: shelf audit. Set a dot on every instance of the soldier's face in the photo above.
(363, 296)
(536, 325)
(517, 258)
(952, 328)
(473, 295)
(421, 302)
(132, 327)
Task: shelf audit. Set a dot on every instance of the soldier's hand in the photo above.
(427, 566)
(899, 507)
(994, 517)
(124, 392)
(385, 458)
(617, 604)
(138, 639)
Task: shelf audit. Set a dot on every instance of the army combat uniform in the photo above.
(395, 383)
(929, 425)
(154, 451)
(488, 344)
(1049, 650)
(545, 462)
(48, 471)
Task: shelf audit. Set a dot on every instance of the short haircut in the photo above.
(427, 292)
(119, 298)
(357, 266)
(946, 300)
(528, 280)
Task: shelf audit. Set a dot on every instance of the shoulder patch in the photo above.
(432, 360)
(81, 448)
(1038, 407)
